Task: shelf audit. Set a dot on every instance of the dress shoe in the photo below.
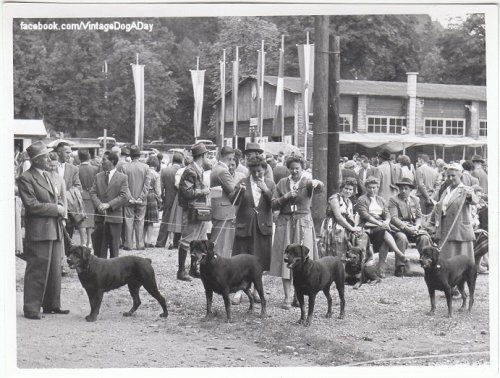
(127, 248)
(32, 315)
(56, 311)
(400, 271)
(194, 273)
(183, 276)
(149, 245)
(159, 246)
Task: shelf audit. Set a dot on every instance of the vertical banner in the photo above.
(306, 65)
(138, 73)
(278, 119)
(236, 74)
(260, 88)
(198, 79)
(223, 97)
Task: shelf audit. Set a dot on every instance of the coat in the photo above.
(190, 185)
(115, 194)
(138, 179)
(168, 189)
(362, 208)
(248, 211)
(222, 207)
(463, 229)
(402, 213)
(428, 181)
(40, 202)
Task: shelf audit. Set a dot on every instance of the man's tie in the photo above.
(46, 176)
(106, 177)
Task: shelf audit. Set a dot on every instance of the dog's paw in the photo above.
(164, 315)
(307, 323)
(127, 314)
(90, 318)
(229, 321)
(300, 321)
(430, 313)
(462, 309)
(328, 315)
(341, 316)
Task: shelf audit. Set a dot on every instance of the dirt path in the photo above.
(385, 321)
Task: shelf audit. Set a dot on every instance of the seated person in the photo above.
(406, 218)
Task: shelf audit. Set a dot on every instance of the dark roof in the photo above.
(396, 89)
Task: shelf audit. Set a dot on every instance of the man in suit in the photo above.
(406, 218)
(467, 177)
(72, 181)
(390, 173)
(44, 234)
(479, 172)
(192, 191)
(138, 183)
(168, 190)
(109, 193)
(223, 213)
(427, 183)
(366, 171)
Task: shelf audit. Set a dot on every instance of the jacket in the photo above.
(115, 194)
(190, 186)
(402, 213)
(362, 208)
(222, 207)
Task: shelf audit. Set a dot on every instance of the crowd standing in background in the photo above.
(246, 202)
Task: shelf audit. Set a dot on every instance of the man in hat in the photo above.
(406, 218)
(390, 173)
(192, 191)
(123, 155)
(428, 182)
(44, 236)
(135, 210)
(479, 172)
(253, 149)
(223, 212)
(69, 173)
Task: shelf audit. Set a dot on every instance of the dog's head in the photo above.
(429, 257)
(354, 256)
(201, 251)
(79, 257)
(295, 255)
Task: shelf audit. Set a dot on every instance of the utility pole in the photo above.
(333, 117)
(320, 110)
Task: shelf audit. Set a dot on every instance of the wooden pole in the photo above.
(223, 100)
(261, 116)
(333, 117)
(320, 111)
(235, 101)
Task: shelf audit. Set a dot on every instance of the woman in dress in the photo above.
(375, 218)
(338, 226)
(292, 197)
(86, 173)
(153, 199)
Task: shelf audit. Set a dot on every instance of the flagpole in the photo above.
(261, 120)
(223, 97)
(283, 93)
(306, 107)
(235, 98)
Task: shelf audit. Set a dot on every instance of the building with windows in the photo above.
(438, 119)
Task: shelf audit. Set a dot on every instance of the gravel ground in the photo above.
(385, 324)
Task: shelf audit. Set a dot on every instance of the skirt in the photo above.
(333, 240)
(257, 245)
(376, 235)
(291, 230)
(151, 215)
(222, 235)
(456, 248)
(175, 220)
(89, 208)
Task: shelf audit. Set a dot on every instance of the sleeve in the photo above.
(31, 202)
(158, 188)
(187, 187)
(76, 179)
(362, 209)
(145, 187)
(393, 211)
(93, 194)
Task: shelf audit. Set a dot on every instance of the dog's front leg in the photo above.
(209, 296)
(449, 302)
(227, 304)
(310, 310)
(97, 305)
(432, 296)
(460, 287)
(300, 298)
(250, 298)
(328, 296)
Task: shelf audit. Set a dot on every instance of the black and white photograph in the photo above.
(210, 188)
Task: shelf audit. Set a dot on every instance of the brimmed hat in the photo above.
(37, 148)
(385, 155)
(405, 181)
(125, 151)
(253, 147)
(134, 150)
(455, 167)
(478, 158)
(349, 164)
(198, 149)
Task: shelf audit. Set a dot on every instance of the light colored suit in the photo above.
(169, 192)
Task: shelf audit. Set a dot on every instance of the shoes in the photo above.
(400, 271)
(257, 299)
(159, 246)
(127, 248)
(285, 305)
(295, 302)
(149, 245)
(32, 315)
(183, 276)
(141, 248)
(56, 311)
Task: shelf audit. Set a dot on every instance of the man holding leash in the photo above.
(44, 236)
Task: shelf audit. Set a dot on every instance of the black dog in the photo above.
(356, 272)
(309, 277)
(98, 276)
(443, 274)
(227, 275)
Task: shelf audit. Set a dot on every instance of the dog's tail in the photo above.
(480, 246)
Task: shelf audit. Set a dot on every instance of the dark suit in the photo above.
(169, 191)
(254, 224)
(108, 227)
(72, 182)
(427, 183)
(44, 235)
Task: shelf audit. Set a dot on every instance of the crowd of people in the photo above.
(247, 202)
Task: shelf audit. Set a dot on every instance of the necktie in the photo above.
(106, 178)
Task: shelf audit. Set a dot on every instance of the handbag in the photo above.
(200, 212)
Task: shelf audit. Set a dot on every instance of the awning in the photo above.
(29, 127)
(396, 143)
(274, 148)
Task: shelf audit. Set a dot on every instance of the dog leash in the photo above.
(227, 217)
(65, 233)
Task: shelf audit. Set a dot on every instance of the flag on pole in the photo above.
(223, 98)
(280, 97)
(260, 89)
(236, 74)
(138, 73)
(306, 66)
(198, 79)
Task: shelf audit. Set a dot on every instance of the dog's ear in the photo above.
(287, 249)
(304, 252)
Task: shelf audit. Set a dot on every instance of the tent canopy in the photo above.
(29, 127)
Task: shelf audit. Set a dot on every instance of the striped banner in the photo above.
(138, 73)
(236, 74)
(278, 121)
(306, 66)
(198, 79)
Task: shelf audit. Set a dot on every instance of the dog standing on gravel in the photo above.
(444, 274)
(98, 275)
(309, 277)
(227, 275)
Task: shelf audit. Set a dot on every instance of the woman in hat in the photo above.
(452, 217)
(292, 197)
(375, 219)
(338, 225)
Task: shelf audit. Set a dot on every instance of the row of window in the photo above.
(397, 125)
